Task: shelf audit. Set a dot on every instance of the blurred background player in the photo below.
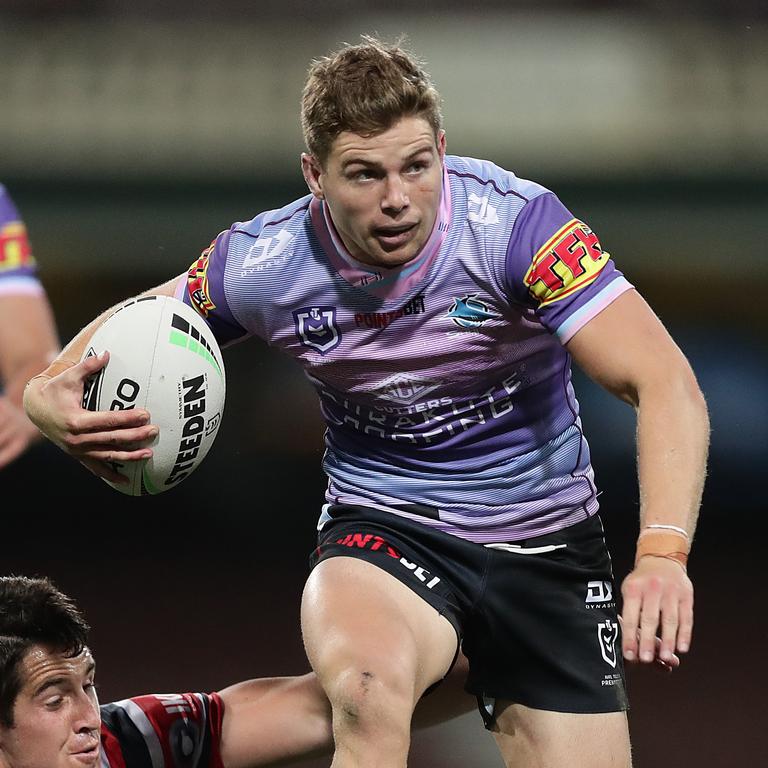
(50, 715)
(28, 340)
(527, 285)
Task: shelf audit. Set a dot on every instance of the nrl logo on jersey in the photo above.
(469, 313)
(405, 388)
(317, 329)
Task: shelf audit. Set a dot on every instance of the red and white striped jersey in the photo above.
(162, 731)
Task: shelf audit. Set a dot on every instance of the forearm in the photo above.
(672, 446)
(75, 349)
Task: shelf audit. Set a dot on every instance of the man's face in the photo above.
(382, 191)
(56, 720)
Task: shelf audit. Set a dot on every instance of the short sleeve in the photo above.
(18, 271)
(164, 731)
(556, 265)
(205, 290)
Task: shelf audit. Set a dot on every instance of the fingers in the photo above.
(16, 432)
(90, 365)
(670, 620)
(668, 664)
(658, 600)
(11, 449)
(649, 620)
(129, 438)
(685, 629)
(630, 619)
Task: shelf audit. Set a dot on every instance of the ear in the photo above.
(441, 144)
(313, 174)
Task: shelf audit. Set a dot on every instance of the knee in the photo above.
(372, 698)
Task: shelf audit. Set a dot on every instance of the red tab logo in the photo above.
(15, 250)
(567, 262)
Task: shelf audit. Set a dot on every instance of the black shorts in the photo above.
(537, 620)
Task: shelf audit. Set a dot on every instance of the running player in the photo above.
(436, 302)
(28, 339)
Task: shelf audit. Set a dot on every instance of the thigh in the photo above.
(448, 700)
(358, 619)
(535, 738)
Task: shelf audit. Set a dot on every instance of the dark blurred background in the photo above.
(131, 133)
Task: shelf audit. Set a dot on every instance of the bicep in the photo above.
(169, 288)
(626, 348)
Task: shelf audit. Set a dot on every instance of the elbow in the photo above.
(678, 388)
(673, 381)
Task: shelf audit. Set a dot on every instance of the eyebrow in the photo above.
(56, 681)
(371, 164)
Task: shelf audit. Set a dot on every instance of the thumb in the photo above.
(90, 365)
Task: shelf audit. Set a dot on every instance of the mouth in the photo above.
(88, 756)
(394, 237)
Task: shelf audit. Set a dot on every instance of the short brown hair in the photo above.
(364, 88)
(33, 611)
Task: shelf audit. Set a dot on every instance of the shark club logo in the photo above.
(470, 313)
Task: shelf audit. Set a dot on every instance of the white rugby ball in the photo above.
(164, 358)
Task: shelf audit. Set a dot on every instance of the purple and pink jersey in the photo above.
(444, 383)
(17, 266)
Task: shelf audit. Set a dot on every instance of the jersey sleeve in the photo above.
(555, 265)
(163, 731)
(18, 271)
(205, 291)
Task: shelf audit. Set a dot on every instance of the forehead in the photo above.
(42, 663)
(406, 136)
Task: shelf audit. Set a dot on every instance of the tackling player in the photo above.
(50, 716)
(435, 303)
(28, 339)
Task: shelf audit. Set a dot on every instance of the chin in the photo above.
(396, 258)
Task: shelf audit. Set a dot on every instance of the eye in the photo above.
(54, 702)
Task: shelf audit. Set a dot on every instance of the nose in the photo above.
(395, 197)
(88, 714)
